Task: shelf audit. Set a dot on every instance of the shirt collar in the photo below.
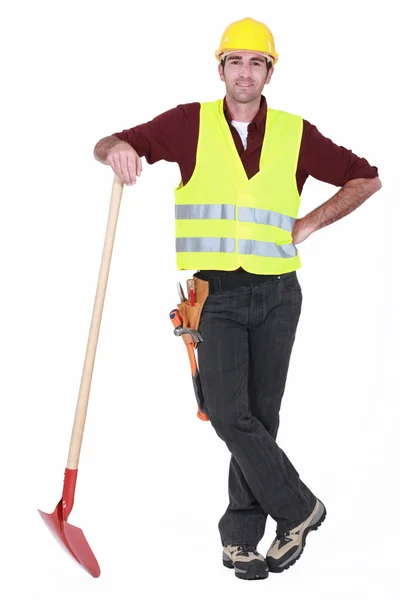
(258, 120)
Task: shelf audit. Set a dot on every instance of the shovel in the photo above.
(72, 538)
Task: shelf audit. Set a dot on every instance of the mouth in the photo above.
(244, 85)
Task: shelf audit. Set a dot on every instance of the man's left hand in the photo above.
(300, 232)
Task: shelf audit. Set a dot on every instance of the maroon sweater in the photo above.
(173, 136)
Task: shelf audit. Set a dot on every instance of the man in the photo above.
(243, 168)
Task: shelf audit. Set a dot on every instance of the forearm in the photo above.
(103, 147)
(348, 198)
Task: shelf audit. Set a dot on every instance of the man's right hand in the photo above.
(122, 158)
(125, 162)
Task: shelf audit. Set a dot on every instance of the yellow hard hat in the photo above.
(247, 34)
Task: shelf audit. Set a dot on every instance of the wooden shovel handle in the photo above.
(84, 390)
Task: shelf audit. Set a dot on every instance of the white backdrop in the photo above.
(153, 478)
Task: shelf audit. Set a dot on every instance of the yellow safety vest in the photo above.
(225, 220)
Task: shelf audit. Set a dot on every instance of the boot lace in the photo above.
(245, 549)
(284, 537)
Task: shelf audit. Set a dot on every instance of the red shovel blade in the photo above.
(71, 538)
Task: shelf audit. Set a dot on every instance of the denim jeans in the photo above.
(248, 335)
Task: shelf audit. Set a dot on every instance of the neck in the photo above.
(243, 112)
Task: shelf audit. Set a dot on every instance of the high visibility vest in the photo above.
(224, 220)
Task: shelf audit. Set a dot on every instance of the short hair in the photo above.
(267, 62)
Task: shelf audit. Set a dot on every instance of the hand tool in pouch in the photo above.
(190, 336)
(70, 537)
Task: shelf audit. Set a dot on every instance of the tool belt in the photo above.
(191, 308)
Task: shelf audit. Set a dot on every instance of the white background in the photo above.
(152, 481)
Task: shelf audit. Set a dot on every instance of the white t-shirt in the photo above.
(242, 130)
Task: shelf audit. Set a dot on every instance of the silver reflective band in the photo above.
(205, 211)
(267, 249)
(227, 211)
(266, 217)
(205, 244)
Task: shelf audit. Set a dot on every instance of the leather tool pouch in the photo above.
(191, 314)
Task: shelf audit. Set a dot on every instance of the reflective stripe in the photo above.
(267, 249)
(227, 211)
(205, 211)
(191, 244)
(266, 217)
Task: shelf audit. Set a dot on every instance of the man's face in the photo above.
(245, 75)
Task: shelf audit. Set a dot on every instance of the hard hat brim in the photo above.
(219, 55)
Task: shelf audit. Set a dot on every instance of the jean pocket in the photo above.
(290, 282)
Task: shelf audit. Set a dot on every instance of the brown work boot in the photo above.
(247, 562)
(289, 545)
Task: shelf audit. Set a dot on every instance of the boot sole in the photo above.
(277, 569)
(252, 573)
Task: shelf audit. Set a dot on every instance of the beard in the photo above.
(244, 95)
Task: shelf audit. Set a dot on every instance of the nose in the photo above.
(245, 70)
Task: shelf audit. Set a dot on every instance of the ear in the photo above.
(270, 73)
(221, 72)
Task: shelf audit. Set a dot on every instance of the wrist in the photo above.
(307, 225)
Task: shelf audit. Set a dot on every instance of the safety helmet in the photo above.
(247, 35)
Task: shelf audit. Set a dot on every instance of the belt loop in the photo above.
(215, 285)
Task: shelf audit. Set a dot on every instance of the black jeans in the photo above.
(248, 337)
